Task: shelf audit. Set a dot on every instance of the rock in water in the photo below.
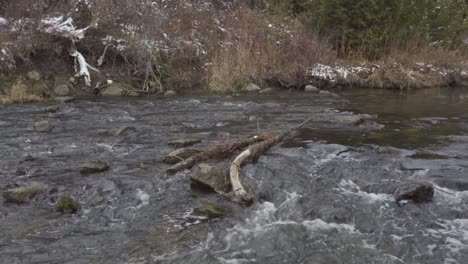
(170, 93)
(67, 205)
(417, 191)
(210, 210)
(349, 119)
(311, 89)
(267, 91)
(252, 88)
(43, 126)
(94, 167)
(179, 155)
(64, 99)
(184, 142)
(22, 194)
(217, 177)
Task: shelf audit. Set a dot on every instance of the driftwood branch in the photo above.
(83, 67)
(252, 153)
(217, 151)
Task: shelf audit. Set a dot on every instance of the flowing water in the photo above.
(310, 206)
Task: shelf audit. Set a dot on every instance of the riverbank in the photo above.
(207, 47)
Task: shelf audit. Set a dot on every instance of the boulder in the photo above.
(252, 88)
(311, 89)
(180, 154)
(267, 91)
(113, 90)
(417, 191)
(22, 194)
(62, 90)
(216, 177)
(170, 93)
(34, 76)
(44, 126)
(348, 119)
(210, 210)
(94, 167)
(52, 109)
(67, 205)
(184, 142)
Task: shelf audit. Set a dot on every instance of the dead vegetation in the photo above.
(216, 45)
(20, 93)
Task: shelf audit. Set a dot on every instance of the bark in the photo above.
(252, 153)
(217, 151)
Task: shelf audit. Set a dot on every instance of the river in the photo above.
(310, 207)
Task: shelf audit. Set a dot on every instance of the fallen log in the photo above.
(217, 151)
(251, 154)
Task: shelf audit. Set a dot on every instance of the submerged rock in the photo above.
(417, 191)
(43, 126)
(252, 88)
(124, 130)
(94, 167)
(267, 91)
(52, 109)
(311, 89)
(26, 158)
(22, 194)
(348, 119)
(369, 124)
(216, 177)
(184, 142)
(67, 205)
(180, 154)
(210, 210)
(64, 99)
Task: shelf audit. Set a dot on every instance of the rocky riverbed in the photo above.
(311, 204)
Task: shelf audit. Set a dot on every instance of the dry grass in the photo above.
(19, 93)
(264, 53)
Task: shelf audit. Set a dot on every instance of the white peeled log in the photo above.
(83, 67)
(237, 187)
(100, 61)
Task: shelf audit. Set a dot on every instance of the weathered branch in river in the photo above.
(217, 151)
(251, 154)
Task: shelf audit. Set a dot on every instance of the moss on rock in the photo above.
(210, 210)
(22, 194)
(67, 205)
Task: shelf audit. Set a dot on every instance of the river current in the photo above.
(310, 205)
